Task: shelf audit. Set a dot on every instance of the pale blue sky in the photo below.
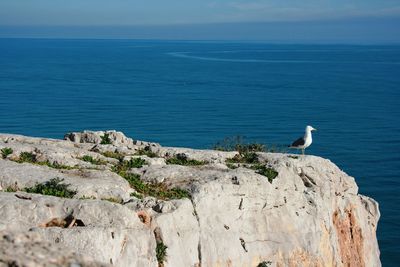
(332, 21)
(150, 12)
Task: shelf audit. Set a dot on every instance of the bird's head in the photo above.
(310, 128)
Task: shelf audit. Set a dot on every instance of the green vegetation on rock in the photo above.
(270, 173)
(182, 159)
(123, 166)
(146, 152)
(105, 139)
(6, 151)
(231, 166)
(238, 143)
(245, 157)
(161, 253)
(116, 155)
(56, 165)
(10, 189)
(92, 160)
(28, 157)
(157, 190)
(54, 187)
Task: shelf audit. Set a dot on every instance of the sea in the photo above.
(196, 93)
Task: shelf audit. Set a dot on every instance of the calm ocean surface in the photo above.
(195, 93)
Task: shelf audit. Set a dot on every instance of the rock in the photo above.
(29, 249)
(111, 137)
(110, 233)
(87, 182)
(164, 207)
(309, 215)
(180, 232)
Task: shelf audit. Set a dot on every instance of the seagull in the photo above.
(304, 142)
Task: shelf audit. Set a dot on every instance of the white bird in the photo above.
(304, 142)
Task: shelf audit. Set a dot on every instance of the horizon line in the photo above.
(303, 20)
(277, 42)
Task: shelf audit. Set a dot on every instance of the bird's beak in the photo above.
(314, 129)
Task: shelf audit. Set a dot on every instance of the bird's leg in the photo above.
(302, 151)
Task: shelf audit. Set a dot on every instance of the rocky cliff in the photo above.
(102, 199)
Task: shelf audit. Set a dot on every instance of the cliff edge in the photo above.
(102, 199)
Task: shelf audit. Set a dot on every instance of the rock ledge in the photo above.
(220, 214)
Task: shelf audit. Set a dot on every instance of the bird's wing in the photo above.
(298, 142)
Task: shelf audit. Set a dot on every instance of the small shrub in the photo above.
(174, 193)
(136, 163)
(146, 152)
(161, 253)
(249, 157)
(267, 172)
(128, 164)
(237, 143)
(92, 160)
(231, 166)
(182, 159)
(54, 187)
(116, 155)
(6, 151)
(246, 157)
(105, 139)
(56, 165)
(246, 152)
(27, 157)
(158, 190)
(10, 189)
(246, 148)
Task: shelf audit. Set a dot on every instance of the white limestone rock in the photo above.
(29, 249)
(109, 233)
(87, 182)
(117, 139)
(310, 215)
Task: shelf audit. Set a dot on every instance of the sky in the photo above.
(173, 18)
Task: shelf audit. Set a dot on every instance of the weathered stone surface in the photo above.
(87, 182)
(180, 233)
(29, 249)
(95, 137)
(117, 139)
(110, 233)
(310, 215)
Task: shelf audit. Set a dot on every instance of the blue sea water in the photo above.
(195, 93)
